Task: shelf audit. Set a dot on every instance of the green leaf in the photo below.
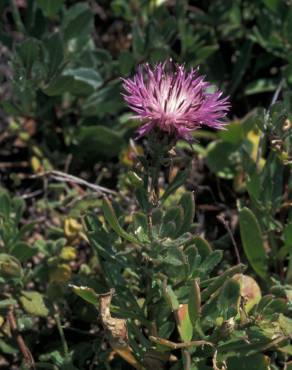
(241, 348)
(140, 227)
(184, 325)
(54, 47)
(205, 52)
(28, 52)
(27, 228)
(183, 239)
(272, 185)
(18, 205)
(107, 100)
(142, 198)
(243, 60)
(188, 206)
(78, 81)
(285, 324)
(287, 233)
(233, 134)
(49, 7)
(203, 247)
(138, 41)
(87, 76)
(78, 21)
(33, 303)
(273, 5)
(173, 214)
(170, 297)
(10, 266)
(254, 362)
(210, 262)
(228, 299)
(7, 348)
(174, 256)
(134, 180)
(194, 301)
(220, 158)
(166, 329)
(220, 280)
(58, 85)
(5, 205)
(111, 218)
(126, 62)
(251, 237)
(7, 302)
(261, 86)
(178, 181)
(55, 356)
(86, 293)
(193, 260)
(23, 251)
(171, 222)
(254, 185)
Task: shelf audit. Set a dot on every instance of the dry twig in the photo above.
(65, 177)
(27, 356)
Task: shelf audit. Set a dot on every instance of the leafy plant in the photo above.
(118, 253)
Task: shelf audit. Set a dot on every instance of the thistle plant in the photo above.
(143, 224)
(168, 301)
(174, 101)
(171, 103)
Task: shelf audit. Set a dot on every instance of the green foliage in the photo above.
(139, 255)
(33, 303)
(252, 242)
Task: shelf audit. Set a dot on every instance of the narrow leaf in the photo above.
(194, 301)
(220, 280)
(184, 326)
(178, 181)
(111, 218)
(188, 206)
(170, 297)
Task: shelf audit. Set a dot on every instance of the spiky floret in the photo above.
(174, 100)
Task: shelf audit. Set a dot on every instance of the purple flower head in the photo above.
(173, 100)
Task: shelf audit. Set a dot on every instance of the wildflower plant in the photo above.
(168, 300)
(173, 252)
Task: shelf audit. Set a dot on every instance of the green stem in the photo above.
(61, 331)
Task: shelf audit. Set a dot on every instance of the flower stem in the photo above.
(61, 331)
